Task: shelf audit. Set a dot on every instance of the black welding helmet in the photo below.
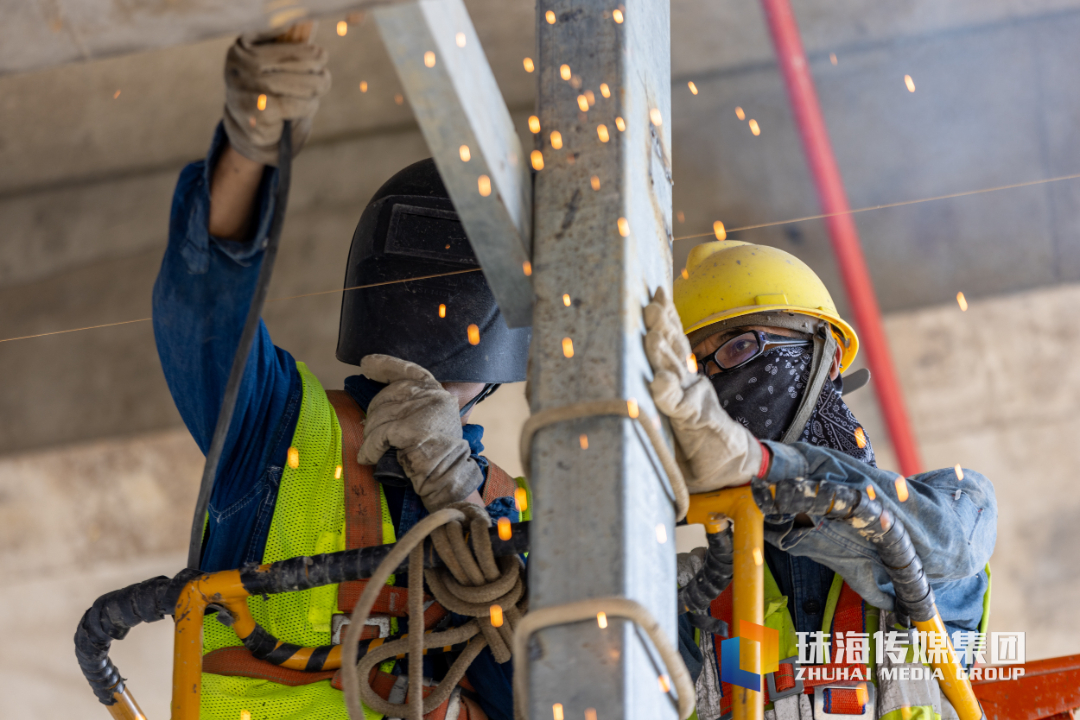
(409, 229)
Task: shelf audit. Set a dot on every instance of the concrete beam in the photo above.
(469, 131)
(41, 34)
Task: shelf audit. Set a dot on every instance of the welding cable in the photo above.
(851, 505)
(114, 614)
(111, 617)
(243, 349)
(711, 580)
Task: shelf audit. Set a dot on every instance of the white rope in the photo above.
(614, 607)
(620, 408)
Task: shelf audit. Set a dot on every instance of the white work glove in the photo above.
(416, 415)
(712, 450)
(292, 76)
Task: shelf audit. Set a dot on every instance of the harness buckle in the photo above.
(869, 706)
(770, 681)
(339, 621)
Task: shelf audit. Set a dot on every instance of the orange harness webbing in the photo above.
(363, 528)
(850, 616)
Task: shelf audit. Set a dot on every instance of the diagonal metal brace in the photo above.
(469, 131)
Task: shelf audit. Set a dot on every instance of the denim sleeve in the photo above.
(200, 302)
(952, 523)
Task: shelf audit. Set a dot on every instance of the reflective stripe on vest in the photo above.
(314, 514)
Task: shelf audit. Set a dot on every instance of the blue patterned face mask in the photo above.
(765, 394)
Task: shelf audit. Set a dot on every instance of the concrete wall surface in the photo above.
(993, 389)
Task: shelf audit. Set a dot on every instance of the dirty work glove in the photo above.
(414, 414)
(689, 564)
(712, 450)
(292, 76)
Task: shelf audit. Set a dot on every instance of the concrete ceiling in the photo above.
(86, 174)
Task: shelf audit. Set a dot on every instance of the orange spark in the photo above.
(961, 301)
(528, 63)
(294, 458)
(901, 488)
(483, 183)
(719, 231)
(754, 127)
(632, 408)
(505, 531)
(693, 87)
(739, 113)
(261, 102)
(474, 335)
(564, 72)
(521, 500)
(595, 182)
(496, 616)
(568, 347)
(556, 139)
(363, 86)
(620, 123)
(566, 300)
(526, 267)
(618, 15)
(910, 83)
(583, 441)
(654, 117)
(465, 154)
(605, 90)
(602, 133)
(550, 17)
(537, 160)
(342, 28)
(583, 103)
(860, 437)
(429, 59)
(624, 227)
(534, 124)
(442, 310)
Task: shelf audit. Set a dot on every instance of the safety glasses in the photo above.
(746, 346)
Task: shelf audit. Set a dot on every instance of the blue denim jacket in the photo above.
(200, 301)
(952, 522)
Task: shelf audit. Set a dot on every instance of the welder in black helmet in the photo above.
(306, 471)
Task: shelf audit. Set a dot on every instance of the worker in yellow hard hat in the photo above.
(748, 364)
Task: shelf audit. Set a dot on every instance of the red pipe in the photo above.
(841, 226)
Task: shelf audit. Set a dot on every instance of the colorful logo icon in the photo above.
(754, 652)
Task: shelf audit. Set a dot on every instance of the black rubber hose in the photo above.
(243, 349)
(304, 573)
(714, 576)
(843, 503)
(111, 617)
(114, 614)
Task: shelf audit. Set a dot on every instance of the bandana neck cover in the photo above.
(764, 395)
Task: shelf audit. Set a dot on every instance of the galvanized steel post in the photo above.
(603, 516)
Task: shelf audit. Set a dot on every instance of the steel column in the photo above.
(841, 226)
(603, 515)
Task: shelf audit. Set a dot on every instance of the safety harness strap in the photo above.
(238, 662)
(362, 507)
(847, 612)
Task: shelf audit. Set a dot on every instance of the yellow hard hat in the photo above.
(729, 279)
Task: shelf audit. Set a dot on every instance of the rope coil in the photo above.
(474, 582)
